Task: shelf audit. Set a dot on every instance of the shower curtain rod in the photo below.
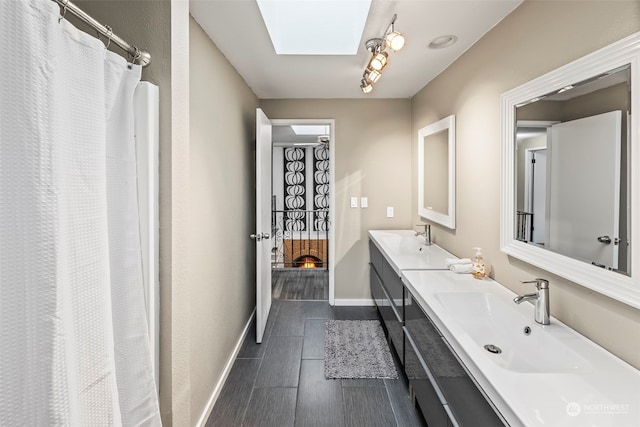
(139, 56)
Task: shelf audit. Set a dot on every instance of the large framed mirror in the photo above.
(437, 172)
(570, 168)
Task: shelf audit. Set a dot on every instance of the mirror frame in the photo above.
(623, 288)
(448, 219)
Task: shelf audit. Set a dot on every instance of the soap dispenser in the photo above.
(479, 270)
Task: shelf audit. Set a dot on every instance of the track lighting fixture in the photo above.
(378, 61)
(372, 75)
(366, 86)
(394, 39)
(391, 39)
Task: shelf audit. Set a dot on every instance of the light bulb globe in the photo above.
(394, 41)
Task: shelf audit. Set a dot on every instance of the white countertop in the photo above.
(552, 377)
(406, 251)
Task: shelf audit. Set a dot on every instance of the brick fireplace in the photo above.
(306, 253)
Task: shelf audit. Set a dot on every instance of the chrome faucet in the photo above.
(541, 299)
(426, 233)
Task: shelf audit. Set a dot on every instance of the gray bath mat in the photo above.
(357, 349)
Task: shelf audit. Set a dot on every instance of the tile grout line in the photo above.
(393, 410)
(253, 387)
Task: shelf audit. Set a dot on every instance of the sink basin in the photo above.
(536, 378)
(526, 347)
(406, 245)
(406, 251)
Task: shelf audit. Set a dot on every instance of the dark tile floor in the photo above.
(300, 284)
(281, 382)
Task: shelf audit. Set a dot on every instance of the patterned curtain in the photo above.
(294, 188)
(321, 188)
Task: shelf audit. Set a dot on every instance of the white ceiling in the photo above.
(237, 29)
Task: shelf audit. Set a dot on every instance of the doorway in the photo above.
(302, 257)
(536, 192)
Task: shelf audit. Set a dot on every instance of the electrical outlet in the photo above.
(364, 202)
(354, 202)
(389, 211)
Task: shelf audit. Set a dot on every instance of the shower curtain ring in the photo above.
(136, 55)
(109, 35)
(64, 11)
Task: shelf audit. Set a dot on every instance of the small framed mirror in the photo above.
(437, 172)
(570, 168)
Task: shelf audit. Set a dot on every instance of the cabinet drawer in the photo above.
(394, 330)
(431, 346)
(376, 287)
(428, 395)
(394, 286)
(466, 404)
(389, 279)
(388, 313)
(375, 257)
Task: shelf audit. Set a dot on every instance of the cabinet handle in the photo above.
(452, 417)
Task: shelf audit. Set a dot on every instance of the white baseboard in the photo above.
(225, 373)
(364, 302)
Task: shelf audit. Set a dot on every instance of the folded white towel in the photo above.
(454, 261)
(462, 268)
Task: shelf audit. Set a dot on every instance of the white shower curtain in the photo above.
(74, 347)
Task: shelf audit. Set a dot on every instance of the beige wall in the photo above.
(176, 348)
(537, 37)
(221, 262)
(373, 149)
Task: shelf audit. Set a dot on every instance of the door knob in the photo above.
(604, 239)
(256, 237)
(265, 235)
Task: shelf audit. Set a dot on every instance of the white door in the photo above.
(262, 235)
(584, 192)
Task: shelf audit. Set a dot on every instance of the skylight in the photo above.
(315, 27)
(310, 129)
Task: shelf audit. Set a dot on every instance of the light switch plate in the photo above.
(354, 202)
(389, 211)
(364, 202)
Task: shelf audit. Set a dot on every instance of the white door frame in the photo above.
(332, 190)
(528, 184)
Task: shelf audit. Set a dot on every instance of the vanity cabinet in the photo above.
(445, 392)
(387, 292)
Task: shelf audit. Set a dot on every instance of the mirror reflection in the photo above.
(436, 171)
(572, 173)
